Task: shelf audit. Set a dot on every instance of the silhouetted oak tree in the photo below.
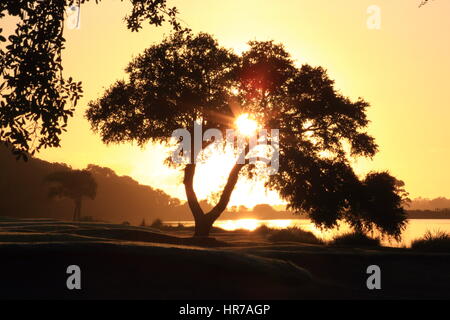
(189, 78)
(72, 184)
(35, 99)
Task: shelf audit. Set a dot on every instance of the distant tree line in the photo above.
(429, 214)
(24, 193)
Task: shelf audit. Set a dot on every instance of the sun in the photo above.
(245, 125)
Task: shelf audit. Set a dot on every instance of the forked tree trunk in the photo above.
(204, 221)
(203, 226)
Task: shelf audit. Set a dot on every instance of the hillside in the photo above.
(124, 262)
(23, 194)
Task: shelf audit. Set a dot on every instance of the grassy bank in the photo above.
(120, 261)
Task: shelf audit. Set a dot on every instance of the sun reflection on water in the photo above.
(415, 229)
(252, 224)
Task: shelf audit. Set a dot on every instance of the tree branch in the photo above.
(193, 203)
(226, 194)
(189, 172)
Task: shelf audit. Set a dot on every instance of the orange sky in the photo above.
(401, 69)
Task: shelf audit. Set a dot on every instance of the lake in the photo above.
(416, 228)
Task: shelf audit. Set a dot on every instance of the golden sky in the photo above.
(401, 69)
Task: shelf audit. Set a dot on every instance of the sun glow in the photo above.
(252, 224)
(245, 125)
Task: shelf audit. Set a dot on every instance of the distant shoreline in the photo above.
(174, 222)
(428, 214)
(285, 215)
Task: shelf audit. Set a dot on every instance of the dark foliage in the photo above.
(355, 239)
(119, 198)
(189, 78)
(157, 223)
(72, 184)
(262, 230)
(170, 86)
(293, 234)
(433, 241)
(36, 100)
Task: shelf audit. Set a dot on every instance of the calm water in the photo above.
(415, 229)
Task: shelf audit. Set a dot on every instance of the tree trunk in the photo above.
(204, 222)
(203, 227)
(196, 210)
(77, 211)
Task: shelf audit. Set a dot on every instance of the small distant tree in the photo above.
(143, 224)
(157, 223)
(74, 185)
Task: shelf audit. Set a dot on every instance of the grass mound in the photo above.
(293, 234)
(262, 230)
(433, 241)
(355, 239)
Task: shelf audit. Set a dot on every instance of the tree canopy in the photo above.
(73, 184)
(189, 78)
(36, 99)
